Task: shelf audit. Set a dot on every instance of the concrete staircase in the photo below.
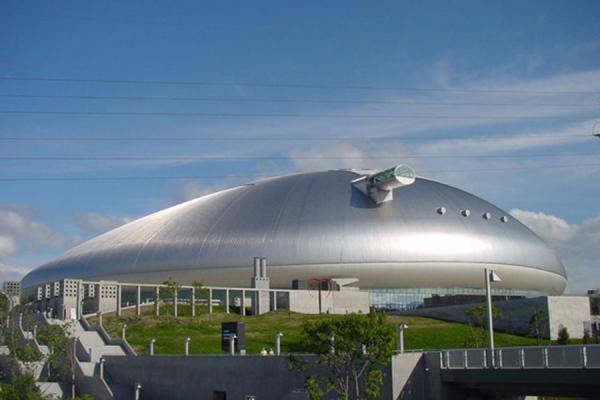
(91, 349)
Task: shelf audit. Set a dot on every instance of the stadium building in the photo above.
(409, 241)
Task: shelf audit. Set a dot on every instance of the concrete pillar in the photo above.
(400, 337)
(138, 300)
(227, 301)
(255, 302)
(278, 336)
(151, 347)
(243, 303)
(79, 300)
(263, 267)
(193, 301)
(174, 302)
(157, 301)
(275, 301)
(210, 298)
(124, 332)
(119, 299)
(186, 346)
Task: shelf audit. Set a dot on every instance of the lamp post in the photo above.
(186, 347)
(137, 387)
(490, 277)
(278, 336)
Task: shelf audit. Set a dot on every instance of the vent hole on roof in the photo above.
(487, 216)
(441, 210)
(504, 218)
(466, 212)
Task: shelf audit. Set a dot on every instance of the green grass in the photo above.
(205, 329)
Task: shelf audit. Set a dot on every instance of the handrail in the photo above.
(529, 357)
(107, 338)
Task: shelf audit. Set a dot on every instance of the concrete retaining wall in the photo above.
(267, 378)
(568, 311)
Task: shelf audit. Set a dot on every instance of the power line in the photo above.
(209, 177)
(276, 115)
(292, 100)
(258, 138)
(287, 85)
(285, 158)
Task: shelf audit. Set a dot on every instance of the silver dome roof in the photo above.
(317, 224)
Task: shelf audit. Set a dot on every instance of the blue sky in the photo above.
(508, 98)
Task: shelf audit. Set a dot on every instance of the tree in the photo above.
(595, 304)
(200, 290)
(21, 387)
(587, 337)
(536, 325)
(170, 291)
(563, 335)
(477, 316)
(353, 349)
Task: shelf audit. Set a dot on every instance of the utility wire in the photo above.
(285, 85)
(258, 138)
(292, 100)
(209, 177)
(277, 115)
(244, 158)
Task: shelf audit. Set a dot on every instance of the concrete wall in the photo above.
(568, 311)
(334, 302)
(267, 378)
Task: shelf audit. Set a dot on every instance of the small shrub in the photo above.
(563, 336)
(587, 337)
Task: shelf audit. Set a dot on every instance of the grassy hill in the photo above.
(205, 329)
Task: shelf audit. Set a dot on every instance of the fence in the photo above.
(575, 356)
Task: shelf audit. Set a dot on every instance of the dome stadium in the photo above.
(416, 235)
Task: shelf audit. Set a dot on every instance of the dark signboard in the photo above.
(233, 328)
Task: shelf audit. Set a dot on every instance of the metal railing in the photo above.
(533, 357)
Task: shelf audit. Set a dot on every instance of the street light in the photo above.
(490, 276)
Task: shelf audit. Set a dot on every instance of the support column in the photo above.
(210, 298)
(274, 301)
(227, 301)
(243, 303)
(193, 301)
(119, 299)
(174, 302)
(138, 300)
(255, 302)
(157, 301)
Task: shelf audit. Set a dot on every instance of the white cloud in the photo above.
(91, 222)
(553, 229)
(11, 273)
(194, 189)
(7, 246)
(352, 155)
(20, 228)
(511, 141)
(577, 245)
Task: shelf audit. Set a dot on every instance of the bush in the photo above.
(563, 336)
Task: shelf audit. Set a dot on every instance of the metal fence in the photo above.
(574, 356)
